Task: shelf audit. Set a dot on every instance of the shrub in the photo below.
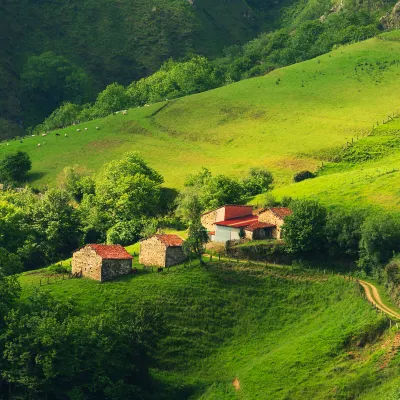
(302, 176)
(14, 167)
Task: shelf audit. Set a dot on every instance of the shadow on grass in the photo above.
(34, 176)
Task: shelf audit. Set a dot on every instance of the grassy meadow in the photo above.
(284, 334)
(284, 121)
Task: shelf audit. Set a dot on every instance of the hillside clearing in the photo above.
(282, 121)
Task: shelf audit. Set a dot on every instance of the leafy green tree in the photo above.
(221, 190)
(380, 239)
(10, 264)
(189, 203)
(125, 233)
(197, 239)
(128, 189)
(47, 81)
(12, 231)
(113, 98)
(14, 167)
(52, 226)
(343, 233)
(76, 181)
(63, 116)
(303, 230)
(259, 180)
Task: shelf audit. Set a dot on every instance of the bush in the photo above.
(14, 167)
(303, 230)
(302, 176)
(125, 233)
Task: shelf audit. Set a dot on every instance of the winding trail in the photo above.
(373, 297)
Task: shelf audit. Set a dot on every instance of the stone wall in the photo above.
(115, 268)
(174, 256)
(152, 252)
(88, 263)
(208, 220)
(270, 218)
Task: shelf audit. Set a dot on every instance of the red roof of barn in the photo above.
(259, 225)
(227, 205)
(170, 240)
(240, 222)
(111, 251)
(281, 212)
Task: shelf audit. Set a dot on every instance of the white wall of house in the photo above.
(224, 233)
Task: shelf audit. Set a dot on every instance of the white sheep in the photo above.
(38, 145)
(44, 134)
(86, 129)
(97, 128)
(33, 135)
(78, 130)
(124, 112)
(66, 135)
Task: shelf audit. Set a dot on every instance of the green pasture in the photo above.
(284, 121)
(283, 334)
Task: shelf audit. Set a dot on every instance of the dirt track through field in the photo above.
(373, 297)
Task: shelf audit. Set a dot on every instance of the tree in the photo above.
(343, 233)
(189, 205)
(127, 189)
(10, 264)
(303, 230)
(380, 239)
(14, 167)
(125, 233)
(47, 81)
(220, 190)
(196, 241)
(113, 98)
(53, 228)
(259, 180)
(76, 181)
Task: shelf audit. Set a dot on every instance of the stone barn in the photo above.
(260, 231)
(162, 251)
(275, 216)
(101, 262)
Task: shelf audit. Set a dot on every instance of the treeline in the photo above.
(196, 74)
(368, 240)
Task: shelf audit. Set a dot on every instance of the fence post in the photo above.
(219, 256)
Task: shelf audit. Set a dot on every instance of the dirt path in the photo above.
(373, 297)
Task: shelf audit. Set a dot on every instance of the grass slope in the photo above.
(284, 120)
(283, 334)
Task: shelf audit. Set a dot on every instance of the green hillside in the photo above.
(283, 334)
(288, 120)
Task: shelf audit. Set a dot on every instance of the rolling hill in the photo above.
(282, 334)
(292, 119)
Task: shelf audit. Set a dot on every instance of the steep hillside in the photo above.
(116, 41)
(288, 120)
(281, 334)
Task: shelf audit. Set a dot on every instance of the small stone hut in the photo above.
(260, 231)
(162, 251)
(102, 262)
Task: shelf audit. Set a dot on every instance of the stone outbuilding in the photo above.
(260, 231)
(102, 262)
(162, 251)
(276, 217)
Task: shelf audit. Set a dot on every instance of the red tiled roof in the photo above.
(111, 251)
(259, 225)
(281, 212)
(170, 240)
(240, 222)
(211, 233)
